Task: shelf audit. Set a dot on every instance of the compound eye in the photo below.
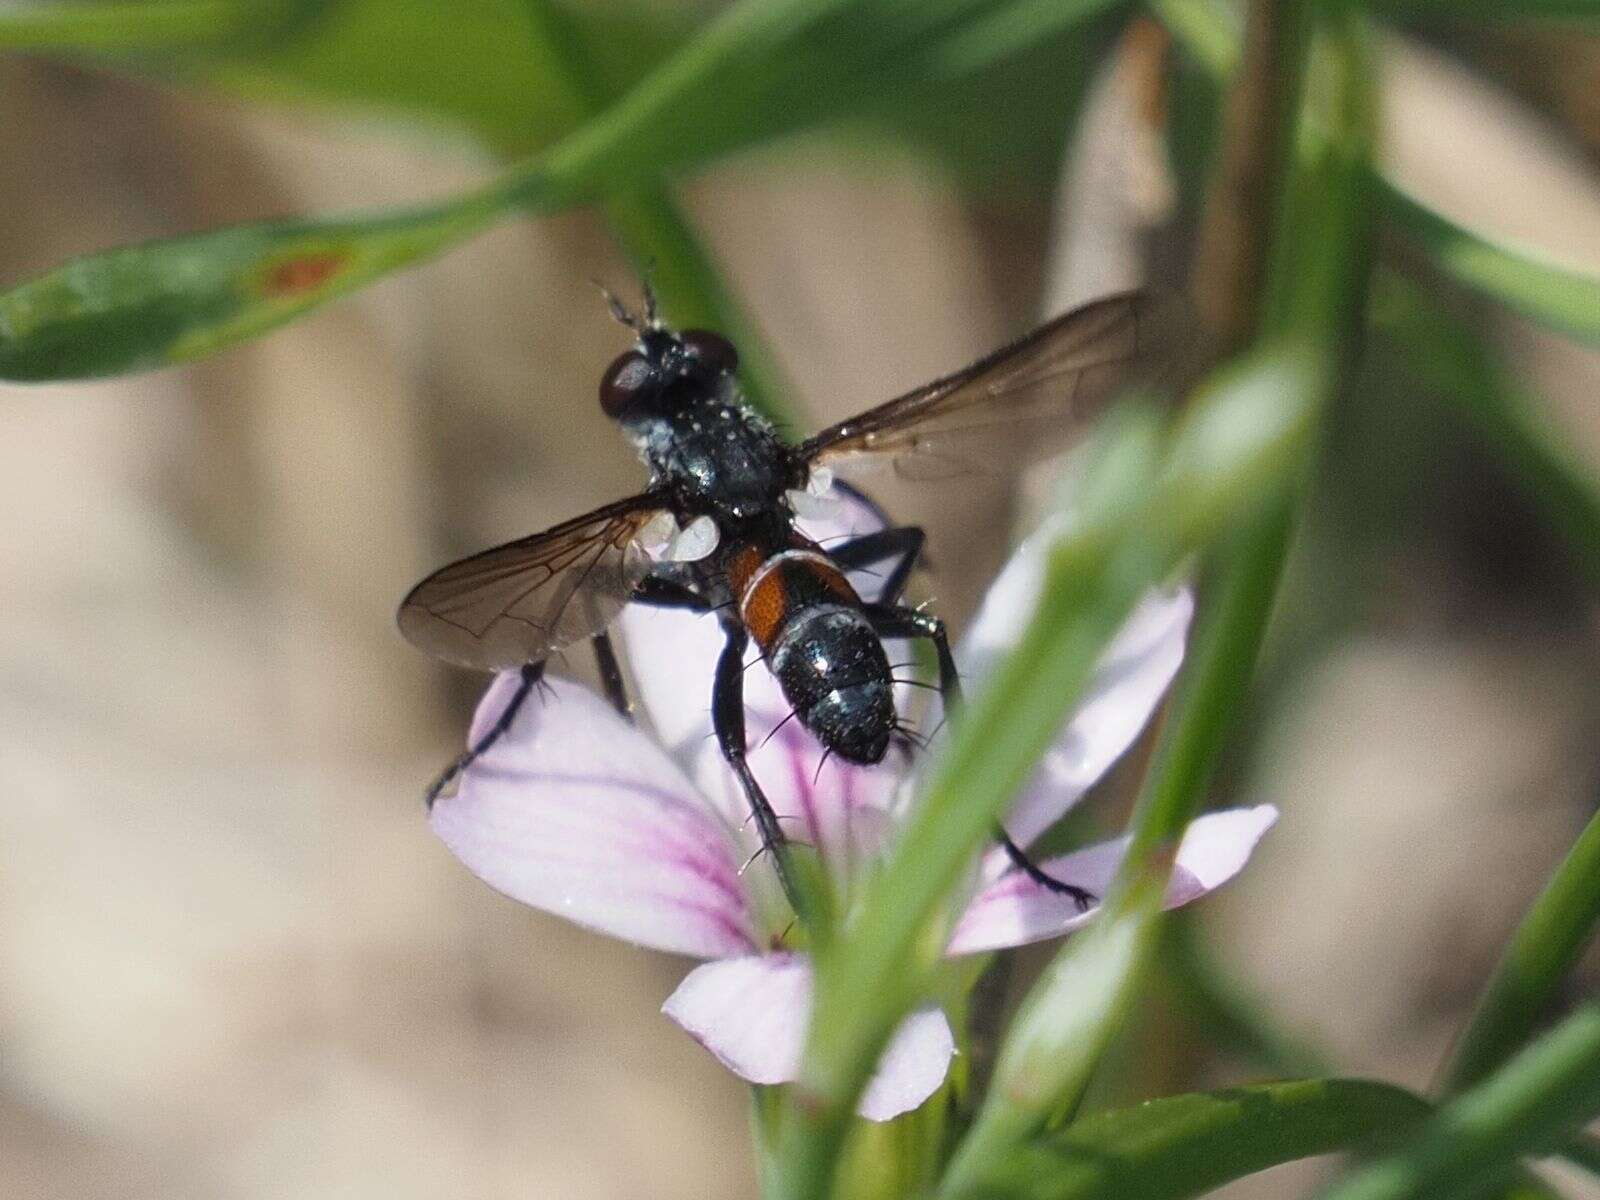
(627, 381)
(712, 349)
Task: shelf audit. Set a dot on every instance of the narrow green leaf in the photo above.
(1492, 10)
(1541, 953)
(469, 65)
(165, 302)
(138, 25)
(1565, 299)
(1527, 1107)
(1182, 1146)
(465, 62)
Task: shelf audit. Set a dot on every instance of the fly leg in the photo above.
(727, 716)
(898, 621)
(605, 660)
(903, 543)
(532, 673)
(663, 593)
(659, 593)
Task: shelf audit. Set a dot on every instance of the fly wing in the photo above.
(1025, 401)
(518, 602)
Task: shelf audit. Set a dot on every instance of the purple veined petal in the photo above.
(838, 807)
(576, 812)
(1014, 910)
(1127, 685)
(751, 1013)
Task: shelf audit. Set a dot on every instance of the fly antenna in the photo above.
(619, 310)
(652, 317)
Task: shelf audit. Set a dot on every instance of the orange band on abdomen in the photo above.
(786, 583)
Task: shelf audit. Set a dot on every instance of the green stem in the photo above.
(656, 234)
(896, 937)
(1536, 959)
(1527, 1107)
(1057, 1038)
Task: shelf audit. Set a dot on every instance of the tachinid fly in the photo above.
(719, 514)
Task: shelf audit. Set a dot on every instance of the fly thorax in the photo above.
(717, 456)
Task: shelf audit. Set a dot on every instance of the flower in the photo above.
(645, 836)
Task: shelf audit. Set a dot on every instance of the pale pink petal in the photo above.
(672, 659)
(1128, 683)
(578, 813)
(912, 1067)
(839, 514)
(1007, 605)
(752, 1012)
(837, 807)
(1015, 911)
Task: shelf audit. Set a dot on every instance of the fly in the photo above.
(715, 533)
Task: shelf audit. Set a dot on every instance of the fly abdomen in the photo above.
(830, 664)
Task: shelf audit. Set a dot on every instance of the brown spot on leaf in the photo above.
(302, 274)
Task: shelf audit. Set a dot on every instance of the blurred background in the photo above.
(233, 961)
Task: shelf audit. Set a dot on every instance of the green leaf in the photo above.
(997, 98)
(1536, 960)
(468, 64)
(1565, 299)
(471, 64)
(762, 65)
(165, 302)
(1492, 10)
(1182, 1146)
(143, 25)
(1527, 1107)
